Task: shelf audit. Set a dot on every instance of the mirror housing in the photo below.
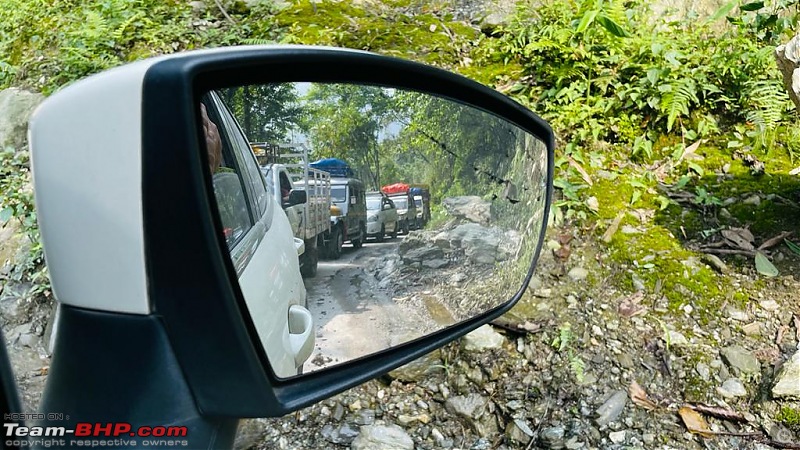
(297, 197)
(143, 182)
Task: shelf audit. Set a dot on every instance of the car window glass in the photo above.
(254, 181)
(229, 187)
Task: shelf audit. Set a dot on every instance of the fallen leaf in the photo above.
(797, 326)
(630, 307)
(769, 243)
(581, 170)
(722, 413)
(690, 152)
(695, 422)
(564, 238)
(740, 237)
(593, 204)
(793, 247)
(613, 228)
(764, 267)
(563, 252)
(639, 396)
(781, 332)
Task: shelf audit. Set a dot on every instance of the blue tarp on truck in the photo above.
(335, 167)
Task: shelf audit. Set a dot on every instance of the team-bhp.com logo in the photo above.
(86, 434)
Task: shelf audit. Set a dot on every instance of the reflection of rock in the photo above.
(483, 338)
(472, 208)
(480, 244)
(419, 369)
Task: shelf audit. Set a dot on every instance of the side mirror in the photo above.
(297, 197)
(144, 263)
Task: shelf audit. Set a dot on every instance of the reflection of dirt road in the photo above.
(353, 316)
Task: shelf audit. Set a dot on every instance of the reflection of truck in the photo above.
(348, 210)
(303, 192)
(404, 201)
(422, 198)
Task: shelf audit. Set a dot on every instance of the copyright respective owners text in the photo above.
(23, 430)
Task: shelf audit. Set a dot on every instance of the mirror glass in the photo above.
(419, 212)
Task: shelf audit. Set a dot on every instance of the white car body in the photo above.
(86, 146)
(382, 218)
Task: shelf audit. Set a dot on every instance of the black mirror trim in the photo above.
(207, 322)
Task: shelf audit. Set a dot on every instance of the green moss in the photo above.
(790, 417)
(695, 388)
(382, 28)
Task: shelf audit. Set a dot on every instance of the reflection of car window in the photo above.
(254, 181)
(373, 204)
(339, 194)
(232, 206)
(418, 203)
(228, 185)
(401, 203)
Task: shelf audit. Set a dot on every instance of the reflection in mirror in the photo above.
(419, 213)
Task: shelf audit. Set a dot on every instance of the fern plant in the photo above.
(678, 97)
(766, 103)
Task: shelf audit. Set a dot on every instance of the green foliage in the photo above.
(17, 205)
(790, 417)
(562, 343)
(46, 44)
(587, 80)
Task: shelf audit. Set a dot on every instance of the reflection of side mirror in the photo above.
(297, 197)
(220, 328)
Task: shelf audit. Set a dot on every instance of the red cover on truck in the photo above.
(397, 188)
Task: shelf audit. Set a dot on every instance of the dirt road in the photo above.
(354, 316)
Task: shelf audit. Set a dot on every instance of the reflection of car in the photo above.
(348, 215)
(406, 211)
(260, 241)
(381, 216)
(420, 211)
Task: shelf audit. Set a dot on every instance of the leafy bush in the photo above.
(16, 204)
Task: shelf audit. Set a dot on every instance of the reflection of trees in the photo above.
(347, 122)
(454, 148)
(266, 112)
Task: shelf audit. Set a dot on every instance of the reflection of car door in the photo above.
(265, 256)
(390, 211)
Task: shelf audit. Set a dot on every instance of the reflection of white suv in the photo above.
(381, 216)
(406, 211)
(261, 243)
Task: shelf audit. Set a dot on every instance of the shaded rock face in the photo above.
(472, 208)
(16, 107)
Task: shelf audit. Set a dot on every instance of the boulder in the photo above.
(788, 384)
(788, 58)
(473, 409)
(740, 360)
(382, 437)
(472, 208)
(481, 244)
(16, 107)
(483, 338)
